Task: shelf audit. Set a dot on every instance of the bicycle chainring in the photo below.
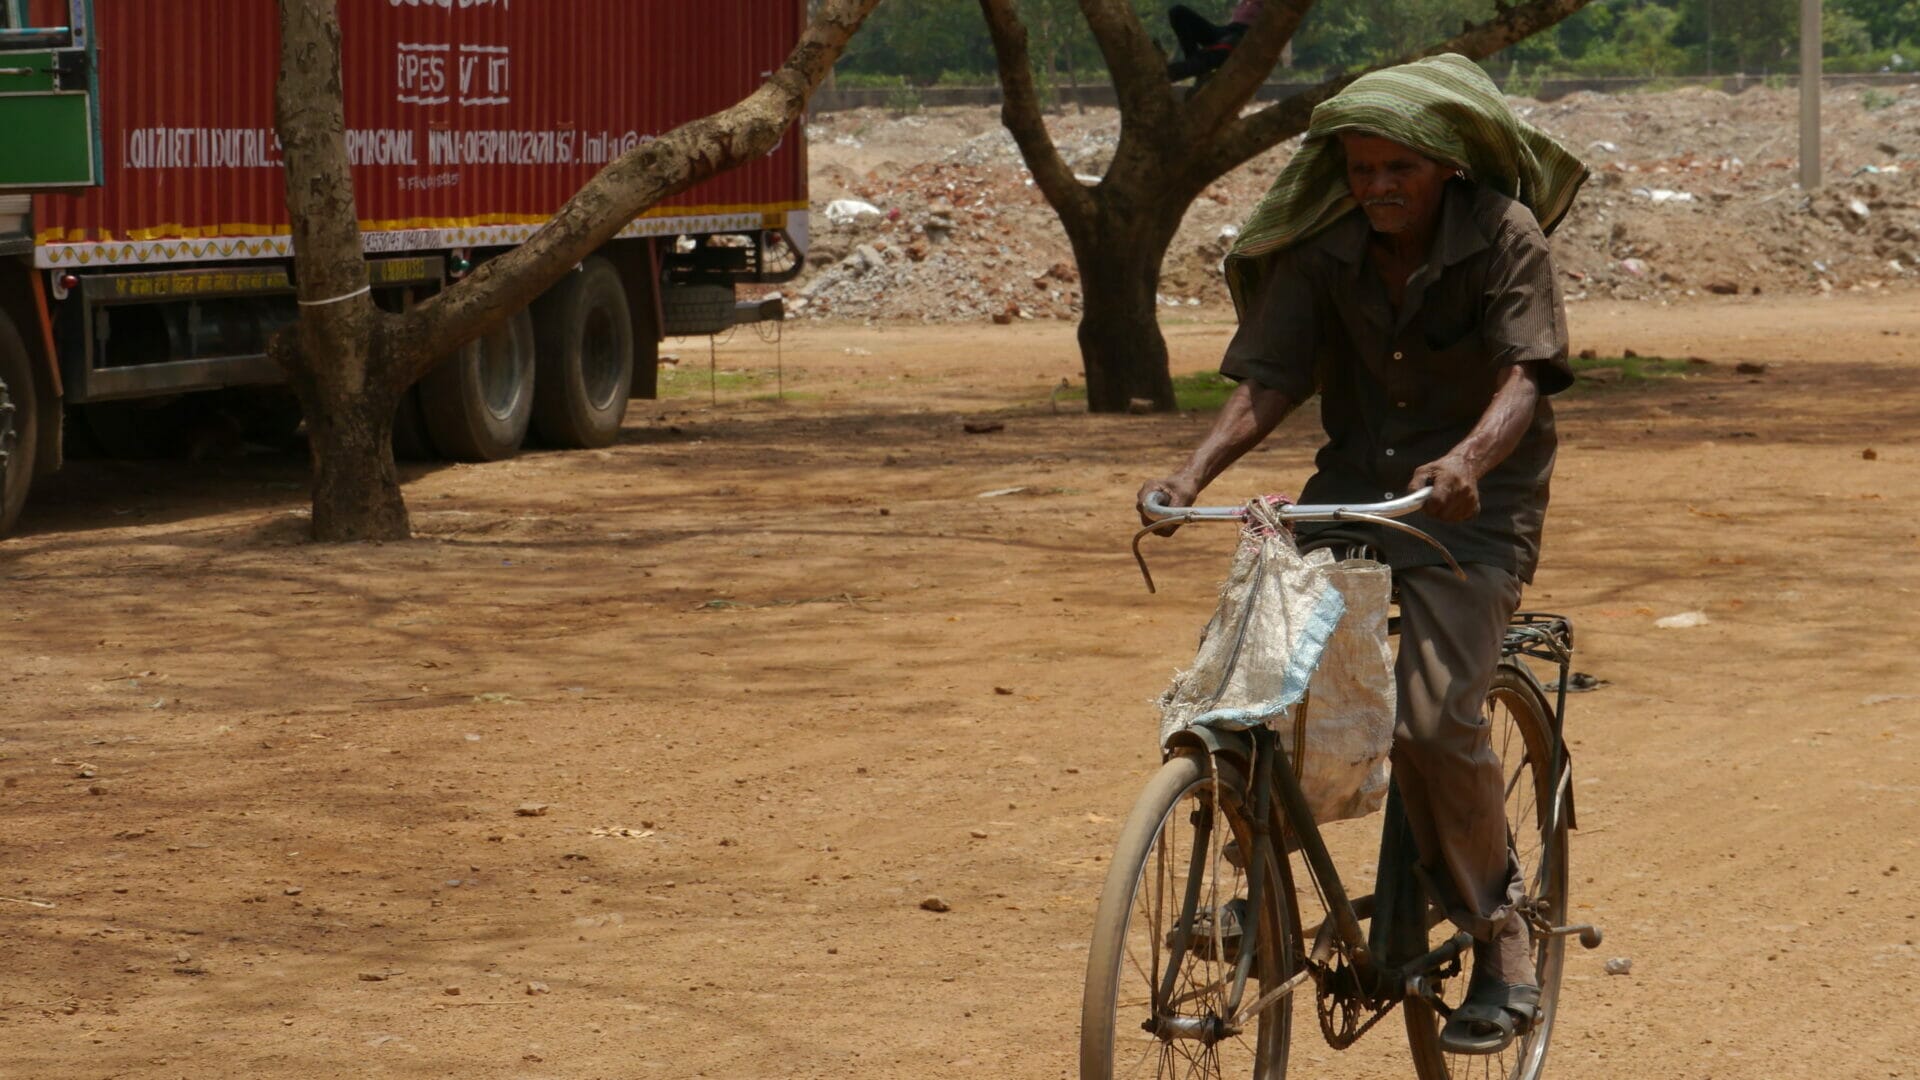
(1345, 1012)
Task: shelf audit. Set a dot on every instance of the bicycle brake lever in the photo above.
(1142, 559)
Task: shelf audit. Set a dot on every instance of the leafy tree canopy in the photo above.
(927, 42)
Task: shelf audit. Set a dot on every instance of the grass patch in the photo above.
(1202, 391)
(1207, 391)
(1602, 372)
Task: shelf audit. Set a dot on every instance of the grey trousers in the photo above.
(1443, 759)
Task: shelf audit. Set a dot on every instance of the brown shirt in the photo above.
(1401, 388)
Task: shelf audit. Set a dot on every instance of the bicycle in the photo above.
(1199, 909)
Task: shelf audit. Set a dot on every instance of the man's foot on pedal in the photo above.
(1503, 998)
(1493, 1015)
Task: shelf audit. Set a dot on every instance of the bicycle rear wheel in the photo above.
(1178, 824)
(1523, 738)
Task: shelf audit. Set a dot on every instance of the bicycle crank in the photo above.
(1590, 935)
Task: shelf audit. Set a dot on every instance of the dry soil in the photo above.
(641, 762)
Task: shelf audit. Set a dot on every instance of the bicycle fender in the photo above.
(1564, 782)
(1236, 746)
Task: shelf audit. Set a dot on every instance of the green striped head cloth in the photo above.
(1443, 106)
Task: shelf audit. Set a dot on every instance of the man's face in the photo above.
(1397, 187)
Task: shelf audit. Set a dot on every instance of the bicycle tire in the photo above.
(1150, 842)
(1518, 717)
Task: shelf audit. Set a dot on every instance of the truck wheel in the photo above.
(19, 430)
(586, 357)
(477, 402)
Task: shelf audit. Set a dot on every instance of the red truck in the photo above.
(144, 250)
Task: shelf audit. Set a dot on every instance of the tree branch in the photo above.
(1247, 66)
(1136, 65)
(1244, 139)
(1020, 112)
(629, 186)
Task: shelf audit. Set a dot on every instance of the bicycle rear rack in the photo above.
(1541, 636)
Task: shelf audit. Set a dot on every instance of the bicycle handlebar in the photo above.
(1380, 513)
(1393, 508)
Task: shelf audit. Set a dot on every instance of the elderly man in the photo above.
(1399, 268)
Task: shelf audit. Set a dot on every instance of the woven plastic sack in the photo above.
(1299, 644)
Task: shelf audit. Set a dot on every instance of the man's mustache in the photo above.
(1392, 200)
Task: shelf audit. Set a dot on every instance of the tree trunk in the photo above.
(356, 489)
(1122, 351)
(329, 355)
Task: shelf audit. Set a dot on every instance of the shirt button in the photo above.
(1400, 404)
(1388, 495)
(1389, 451)
(1399, 356)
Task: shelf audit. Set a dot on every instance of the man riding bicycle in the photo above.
(1432, 327)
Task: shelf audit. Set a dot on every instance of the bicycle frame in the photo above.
(1271, 781)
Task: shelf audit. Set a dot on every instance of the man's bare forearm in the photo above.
(1504, 424)
(1455, 478)
(1250, 414)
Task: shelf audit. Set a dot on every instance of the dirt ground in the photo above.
(640, 763)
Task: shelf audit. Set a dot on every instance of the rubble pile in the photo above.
(933, 217)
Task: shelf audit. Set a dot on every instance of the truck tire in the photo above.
(586, 357)
(478, 401)
(19, 427)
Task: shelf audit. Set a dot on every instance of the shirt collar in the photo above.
(1459, 235)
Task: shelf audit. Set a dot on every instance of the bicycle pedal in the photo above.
(1590, 936)
(1232, 917)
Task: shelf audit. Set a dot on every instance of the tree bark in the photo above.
(1122, 352)
(1170, 151)
(356, 489)
(348, 362)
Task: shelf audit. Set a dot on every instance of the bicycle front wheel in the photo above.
(1522, 736)
(1185, 844)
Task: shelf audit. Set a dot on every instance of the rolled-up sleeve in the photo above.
(1526, 320)
(1277, 342)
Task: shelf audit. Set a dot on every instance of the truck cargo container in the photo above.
(145, 257)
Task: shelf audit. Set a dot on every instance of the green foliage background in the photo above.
(936, 42)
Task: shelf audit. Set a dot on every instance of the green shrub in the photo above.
(903, 100)
(867, 80)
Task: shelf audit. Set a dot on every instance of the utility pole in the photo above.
(1809, 94)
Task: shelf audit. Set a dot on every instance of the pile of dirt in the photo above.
(1694, 192)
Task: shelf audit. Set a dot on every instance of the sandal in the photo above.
(1494, 1014)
